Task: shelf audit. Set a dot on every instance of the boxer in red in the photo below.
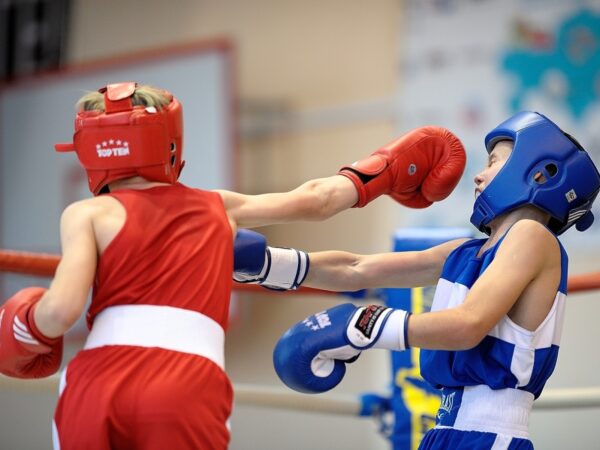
(159, 257)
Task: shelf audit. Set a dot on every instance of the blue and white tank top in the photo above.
(509, 356)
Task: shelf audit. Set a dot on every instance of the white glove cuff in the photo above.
(364, 328)
(287, 268)
(394, 333)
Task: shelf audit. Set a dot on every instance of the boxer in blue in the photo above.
(491, 340)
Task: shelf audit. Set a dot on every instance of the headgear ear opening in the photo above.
(126, 140)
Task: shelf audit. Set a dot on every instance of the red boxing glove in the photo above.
(419, 168)
(24, 351)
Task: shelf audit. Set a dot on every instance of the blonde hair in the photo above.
(145, 95)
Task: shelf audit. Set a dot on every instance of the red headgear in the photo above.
(126, 140)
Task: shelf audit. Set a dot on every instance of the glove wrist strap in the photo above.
(394, 335)
(288, 268)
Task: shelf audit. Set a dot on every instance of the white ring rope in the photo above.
(347, 404)
(341, 404)
(273, 397)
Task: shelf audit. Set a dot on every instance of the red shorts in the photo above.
(125, 397)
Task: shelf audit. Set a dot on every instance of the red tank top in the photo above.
(175, 249)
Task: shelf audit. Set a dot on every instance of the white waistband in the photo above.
(502, 411)
(165, 327)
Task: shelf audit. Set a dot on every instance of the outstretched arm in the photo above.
(312, 201)
(288, 268)
(417, 169)
(343, 271)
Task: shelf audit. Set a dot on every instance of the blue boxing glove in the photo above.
(311, 356)
(271, 267)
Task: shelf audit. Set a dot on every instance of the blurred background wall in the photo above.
(320, 84)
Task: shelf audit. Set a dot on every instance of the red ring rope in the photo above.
(43, 264)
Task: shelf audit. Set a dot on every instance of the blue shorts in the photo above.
(449, 438)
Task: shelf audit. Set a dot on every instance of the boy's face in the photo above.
(496, 160)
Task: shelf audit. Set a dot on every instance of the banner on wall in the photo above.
(469, 64)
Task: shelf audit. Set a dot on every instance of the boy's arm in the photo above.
(417, 169)
(33, 320)
(288, 268)
(343, 271)
(525, 273)
(63, 303)
(312, 201)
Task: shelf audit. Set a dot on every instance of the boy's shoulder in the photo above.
(532, 237)
(530, 229)
(88, 207)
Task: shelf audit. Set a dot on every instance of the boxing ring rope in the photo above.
(41, 264)
(337, 404)
(44, 264)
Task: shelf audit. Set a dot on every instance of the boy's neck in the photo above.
(501, 224)
(133, 183)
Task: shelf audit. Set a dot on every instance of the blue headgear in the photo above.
(546, 168)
